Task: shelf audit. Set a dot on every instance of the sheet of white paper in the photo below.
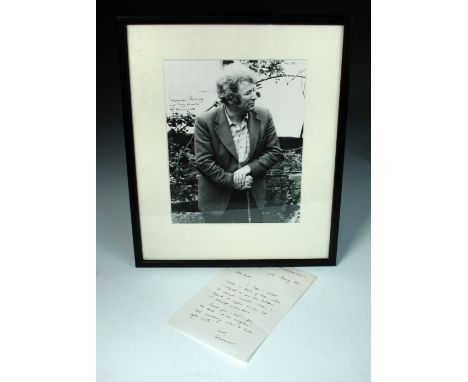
(237, 310)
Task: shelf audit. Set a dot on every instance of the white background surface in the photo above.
(325, 336)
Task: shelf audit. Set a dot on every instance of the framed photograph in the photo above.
(235, 134)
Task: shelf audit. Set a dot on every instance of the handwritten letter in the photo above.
(240, 307)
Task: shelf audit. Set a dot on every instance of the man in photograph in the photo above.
(235, 145)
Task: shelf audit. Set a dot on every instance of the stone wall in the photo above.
(284, 188)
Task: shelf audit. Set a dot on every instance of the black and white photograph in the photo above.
(235, 136)
(234, 150)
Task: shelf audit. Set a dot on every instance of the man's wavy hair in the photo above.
(227, 85)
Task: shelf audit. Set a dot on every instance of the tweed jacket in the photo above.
(216, 157)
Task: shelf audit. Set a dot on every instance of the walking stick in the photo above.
(249, 214)
(248, 207)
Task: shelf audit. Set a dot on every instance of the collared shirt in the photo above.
(240, 135)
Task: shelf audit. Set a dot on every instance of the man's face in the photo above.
(248, 95)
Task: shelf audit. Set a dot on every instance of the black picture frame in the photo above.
(346, 22)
